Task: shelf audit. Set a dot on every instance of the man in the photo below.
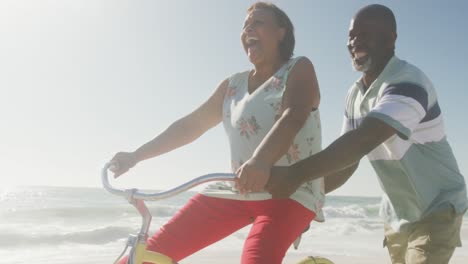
(393, 117)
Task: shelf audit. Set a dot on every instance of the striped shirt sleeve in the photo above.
(402, 106)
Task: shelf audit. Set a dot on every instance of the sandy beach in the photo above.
(231, 257)
(357, 249)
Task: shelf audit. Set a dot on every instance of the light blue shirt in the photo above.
(416, 167)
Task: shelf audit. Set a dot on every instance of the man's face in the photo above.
(368, 44)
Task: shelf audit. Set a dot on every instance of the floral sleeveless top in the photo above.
(247, 118)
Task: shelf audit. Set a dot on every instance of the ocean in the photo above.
(58, 225)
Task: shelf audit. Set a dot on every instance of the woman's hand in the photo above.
(252, 176)
(122, 162)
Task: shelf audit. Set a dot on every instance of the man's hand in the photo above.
(281, 184)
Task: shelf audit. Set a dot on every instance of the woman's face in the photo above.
(261, 36)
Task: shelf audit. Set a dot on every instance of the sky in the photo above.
(82, 80)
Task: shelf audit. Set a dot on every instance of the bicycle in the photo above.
(138, 253)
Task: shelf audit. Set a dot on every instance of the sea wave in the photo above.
(352, 211)
(83, 213)
(97, 236)
(340, 227)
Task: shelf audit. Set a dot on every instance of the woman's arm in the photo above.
(181, 132)
(301, 96)
(188, 128)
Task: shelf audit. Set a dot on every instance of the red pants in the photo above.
(205, 220)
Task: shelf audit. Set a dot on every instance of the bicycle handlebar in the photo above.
(136, 194)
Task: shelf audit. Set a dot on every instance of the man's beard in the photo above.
(364, 67)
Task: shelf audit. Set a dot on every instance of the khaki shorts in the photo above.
(429, 241)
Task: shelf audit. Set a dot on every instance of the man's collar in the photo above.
(391, 66)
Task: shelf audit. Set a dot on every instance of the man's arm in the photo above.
(336, 161)
(336, 180)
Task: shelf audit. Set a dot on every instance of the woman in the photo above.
(270, 116)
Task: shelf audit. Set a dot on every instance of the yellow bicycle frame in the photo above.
(136, 198)
(139, 253)
(142, 255)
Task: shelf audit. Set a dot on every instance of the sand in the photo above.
(233, 257)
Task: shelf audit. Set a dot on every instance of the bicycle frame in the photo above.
(138, 253)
